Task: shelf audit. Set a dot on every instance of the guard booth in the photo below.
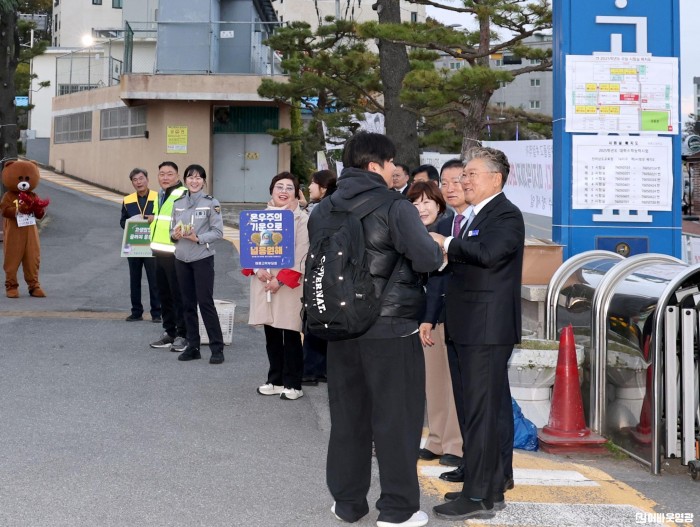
(637, 319)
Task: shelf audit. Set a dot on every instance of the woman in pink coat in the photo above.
(280, 316)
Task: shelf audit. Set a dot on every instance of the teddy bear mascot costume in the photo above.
(20, 208)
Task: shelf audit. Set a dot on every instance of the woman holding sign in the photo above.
(275, 299)
(195, 225)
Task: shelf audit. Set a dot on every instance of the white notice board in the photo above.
(622, 172)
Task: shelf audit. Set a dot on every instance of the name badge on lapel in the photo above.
(475, 232)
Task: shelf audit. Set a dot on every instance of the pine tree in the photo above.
(331, 75)
(466, 93)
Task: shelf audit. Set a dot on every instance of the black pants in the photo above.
(169, 292)
(286, 358)
(505, 416)
(136, 266)
(486, 416)
(314, 356)
(376, 390)
(196, 281)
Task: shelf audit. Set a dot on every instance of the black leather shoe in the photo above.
(190, 354)
(454, 476)
(309, 380)
(156, 320)
(217, 357)
(509, 484)
(464, 509)
(133, 318)
(499, 502)
(450, 460)
(427, 455)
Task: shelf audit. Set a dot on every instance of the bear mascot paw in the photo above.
(21, 239)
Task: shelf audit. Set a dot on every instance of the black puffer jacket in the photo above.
(394, 229)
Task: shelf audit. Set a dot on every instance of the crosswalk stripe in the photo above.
(522, 514)
(531, 477)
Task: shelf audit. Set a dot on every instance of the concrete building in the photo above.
(312, 11)
(532, 92)
(125, 102)
(73, 22)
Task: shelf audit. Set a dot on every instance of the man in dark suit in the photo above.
(399, 178)
(483, 321)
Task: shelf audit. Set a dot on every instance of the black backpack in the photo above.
(339, 297)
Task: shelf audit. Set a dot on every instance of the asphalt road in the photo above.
(98, 429)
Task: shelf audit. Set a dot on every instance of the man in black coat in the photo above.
(483, 321)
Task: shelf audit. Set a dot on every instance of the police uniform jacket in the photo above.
(204, 212)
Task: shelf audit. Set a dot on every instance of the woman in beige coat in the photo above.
(280, 316)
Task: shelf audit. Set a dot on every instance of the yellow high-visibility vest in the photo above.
(160, 226)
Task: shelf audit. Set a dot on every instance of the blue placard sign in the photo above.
(617, 170)
(267, 239)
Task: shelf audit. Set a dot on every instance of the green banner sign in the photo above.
(136, 242)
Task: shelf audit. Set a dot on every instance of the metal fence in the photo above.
(87, 69)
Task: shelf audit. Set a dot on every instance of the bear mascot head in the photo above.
(20, 178)
(21, 207)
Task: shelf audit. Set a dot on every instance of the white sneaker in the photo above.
(417, 520)
(270, 389)
(291, 394)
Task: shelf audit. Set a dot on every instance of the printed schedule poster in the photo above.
(621, 172)
(622, 93)
(176, 139)
(267, 239)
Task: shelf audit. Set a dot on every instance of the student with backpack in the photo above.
(376, 381)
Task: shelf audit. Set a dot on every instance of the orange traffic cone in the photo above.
(567, 431)
(642, 432)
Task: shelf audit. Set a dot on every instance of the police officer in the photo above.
(197, 223)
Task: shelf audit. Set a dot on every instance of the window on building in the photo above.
(535, 61)
(534, 82)
(117, 4)
(414, 16)
(534, 105)
(119, 123)
(500, 105)
(96, 2)
(455, 65)
(65, 89)
(502, 84)
(73, 128)
(498, 62)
